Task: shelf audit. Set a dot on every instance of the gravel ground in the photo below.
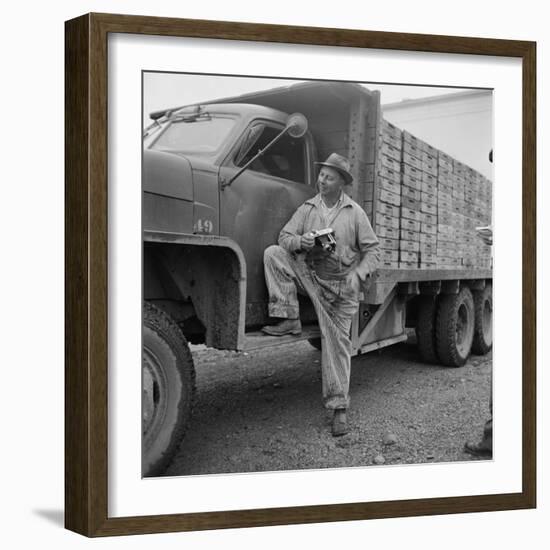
(262, 411)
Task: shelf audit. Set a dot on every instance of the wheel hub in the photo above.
(152, 383)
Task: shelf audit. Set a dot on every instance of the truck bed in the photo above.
(418, 275)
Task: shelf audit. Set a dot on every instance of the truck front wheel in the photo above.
(483, 332)
(454, 330)
(425, 329)
(168, 385)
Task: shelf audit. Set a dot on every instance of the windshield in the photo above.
(195, 135)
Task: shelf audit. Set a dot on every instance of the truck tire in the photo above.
(315, 342)
(483, 330)
(425, 329)
(168, 388)
(454, 329)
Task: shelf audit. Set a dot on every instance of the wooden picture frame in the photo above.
(86, 222)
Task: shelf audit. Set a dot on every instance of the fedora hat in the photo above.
(340, 163)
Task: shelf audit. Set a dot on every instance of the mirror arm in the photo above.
(225, 183)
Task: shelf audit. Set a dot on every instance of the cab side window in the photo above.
(285, 159)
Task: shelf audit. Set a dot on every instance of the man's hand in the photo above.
(353, 280)
(307, 241)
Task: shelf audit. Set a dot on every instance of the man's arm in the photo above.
(290, 237)
(368, 245)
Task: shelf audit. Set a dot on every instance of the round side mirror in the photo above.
(296, 125)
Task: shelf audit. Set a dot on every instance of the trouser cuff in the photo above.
(286, 311)
(338, 402)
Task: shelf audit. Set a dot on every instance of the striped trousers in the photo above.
(335, 303)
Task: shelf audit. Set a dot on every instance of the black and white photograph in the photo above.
(317, 274)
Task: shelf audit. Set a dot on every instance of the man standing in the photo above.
(331, 278)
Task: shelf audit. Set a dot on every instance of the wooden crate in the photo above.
(388, 244)
(443, 164)
(412, 149)
(412, 181)
(444, 177)
(429, 198)
(428, 208)
(389, 128)
(428, 248)
(410, 138)
(412, 161)
(408, 265)
(428, 228)
(429, 183)
(430, 168)
(389, 185)
(407, 256)
(410, 192)
(409, 170)
(385, 220)
(393, 175)
(389, 197)
(410, 225)
(390, 139)
(445, 189)
(429, 218)
(389, 163)
(389, 232)
(411, 204)
(410, 214)
(390, 151)
(409, 246)
(388, 209)
(432, 151)
(408, 235)
(428, 238)
(428, 257)
(427, 265)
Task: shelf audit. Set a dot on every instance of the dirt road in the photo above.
(262, 411)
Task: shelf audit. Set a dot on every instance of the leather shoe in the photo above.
(339, 423)
(286, 326)
(478, 449)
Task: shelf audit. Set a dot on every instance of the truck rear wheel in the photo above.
(454, 330)
(425, 329)
(483, 330)
(168, 386)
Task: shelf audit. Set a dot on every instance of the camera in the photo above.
(325, 239)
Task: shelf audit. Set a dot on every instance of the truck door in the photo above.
(255, 207)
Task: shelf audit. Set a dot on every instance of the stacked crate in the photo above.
(388, 194)
(411, 193)
(419, 204)
(445, 236)
(425, 205)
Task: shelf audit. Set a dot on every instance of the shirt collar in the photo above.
(317, 200)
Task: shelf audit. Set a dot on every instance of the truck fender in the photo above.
(211, 272)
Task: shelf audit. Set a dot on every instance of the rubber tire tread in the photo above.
(159, 321)
(445, 328)
(479, 345)
(425, 329)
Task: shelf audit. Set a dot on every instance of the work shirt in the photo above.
(356, 244)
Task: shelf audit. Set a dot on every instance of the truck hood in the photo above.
(167, 174)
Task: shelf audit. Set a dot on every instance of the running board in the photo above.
(258, 339)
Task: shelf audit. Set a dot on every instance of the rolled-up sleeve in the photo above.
(368, 245)
(289, 237)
